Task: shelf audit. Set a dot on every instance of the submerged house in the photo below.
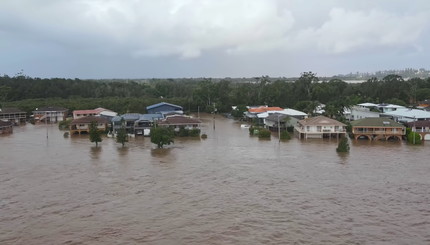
(319, 127)
(6, 127)
(82, 125)
(135, 123)
(143, 125)
(421, 127)
(14, 115)
(95, 112)
(377, 128)
(50, 114)
(180, 121)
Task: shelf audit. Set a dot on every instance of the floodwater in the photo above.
(227, 189)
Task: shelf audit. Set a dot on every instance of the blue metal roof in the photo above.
(161, 104)
(150, 117)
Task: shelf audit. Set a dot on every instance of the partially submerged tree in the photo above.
(95, 134)
(121, 136)
(343, 145)
(162, 136)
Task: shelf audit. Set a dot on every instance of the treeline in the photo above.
(305, 93)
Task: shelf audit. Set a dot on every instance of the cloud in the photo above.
(347, 31)
(211, 30)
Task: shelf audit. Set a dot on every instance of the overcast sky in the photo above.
(211, 38)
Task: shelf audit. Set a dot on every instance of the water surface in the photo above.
(227, 189)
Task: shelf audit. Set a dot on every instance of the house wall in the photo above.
(323, 129)
(358, 112)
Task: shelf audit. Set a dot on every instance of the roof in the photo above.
(161, 104)
(51, 108)
(100, 109)
(127, 117)
(85, 112)
(150, 117)
(262, 109)
(274, 117)
(90, 119)
(108, 113)
(178, 120)
(420, 123)
(292, 112)
(410, 113)
(376, 122)
(320, 121)
(11, 110)
(367, 104)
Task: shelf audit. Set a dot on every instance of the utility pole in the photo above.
(279, 129)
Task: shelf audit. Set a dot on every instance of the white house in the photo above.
(368, 110)
(319, 127)
(407, 115)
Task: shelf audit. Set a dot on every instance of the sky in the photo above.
(96, 39)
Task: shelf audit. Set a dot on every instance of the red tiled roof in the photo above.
(262, 109)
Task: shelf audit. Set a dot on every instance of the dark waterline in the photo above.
(227, 189)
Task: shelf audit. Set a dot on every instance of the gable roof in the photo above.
(51, 108)
(320, 121)
(262, 109)
(11, 110)
(179, 120)
(161, 104)
(420, 124)
(410, 113)
(376, 122)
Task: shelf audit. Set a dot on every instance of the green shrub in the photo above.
(195, 132)
(264, 133)
(204, 136)
(182, 132)
(414, 138)
(285, 135)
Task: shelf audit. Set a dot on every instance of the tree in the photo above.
(414, 138)
(343, 145)
(162, 136)
(95, 135)
(121, 136)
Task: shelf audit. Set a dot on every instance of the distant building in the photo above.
(14, 115)
(50, 114)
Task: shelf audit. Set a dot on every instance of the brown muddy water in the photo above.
(227, 189)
